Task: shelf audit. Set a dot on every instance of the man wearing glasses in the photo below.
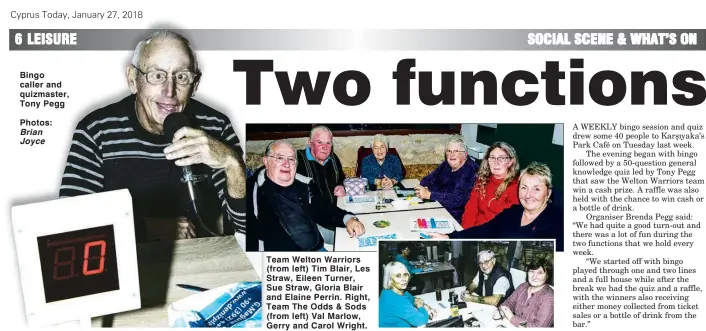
(123, 145)
(284, 208)
(452, 182)
(492, 285)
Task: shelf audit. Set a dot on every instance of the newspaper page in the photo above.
(318, 165)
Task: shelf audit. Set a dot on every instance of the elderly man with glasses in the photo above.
(493, 283)
(284, 207)
(123, 145)
(452, 182)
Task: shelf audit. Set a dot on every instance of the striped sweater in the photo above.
(111, 150)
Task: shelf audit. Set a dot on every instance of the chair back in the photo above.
(461, 269)
(518, 277)
(365, 151)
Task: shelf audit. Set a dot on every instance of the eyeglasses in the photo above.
(499, 159)
(484, 262)
(279, 159)
(454, 152)
(158, 77)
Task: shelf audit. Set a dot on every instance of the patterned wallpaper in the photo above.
(413, 149)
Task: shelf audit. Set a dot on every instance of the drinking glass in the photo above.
(497, 315)
(380, 199)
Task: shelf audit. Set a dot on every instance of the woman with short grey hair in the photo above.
(381, 169)
(452, 181)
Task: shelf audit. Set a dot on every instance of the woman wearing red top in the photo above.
(496, 186)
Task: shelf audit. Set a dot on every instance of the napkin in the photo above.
(237, 305)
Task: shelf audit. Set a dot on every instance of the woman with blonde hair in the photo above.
(398, 308)
(496, 185)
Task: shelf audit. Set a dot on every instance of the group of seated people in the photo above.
(531, 304)
(493, 200)
(291, 203)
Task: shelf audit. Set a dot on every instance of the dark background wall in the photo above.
(533, 142)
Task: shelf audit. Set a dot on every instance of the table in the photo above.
(410, 183)
(441, 271)
(204, 262)
(369, 207)
(399, 224)
(483, 312)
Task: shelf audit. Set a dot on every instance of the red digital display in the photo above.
(78, 263)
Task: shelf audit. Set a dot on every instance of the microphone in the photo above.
(191, 175)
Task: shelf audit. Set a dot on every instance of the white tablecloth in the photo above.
(369, 207)
(400, 225)
(483, 312)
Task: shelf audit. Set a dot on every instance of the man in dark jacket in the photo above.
(318, 162)
(492, 285)
(284, 207)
